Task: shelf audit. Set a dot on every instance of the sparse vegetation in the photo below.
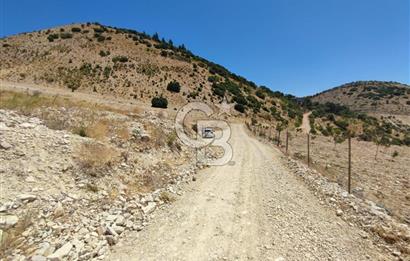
(52, 37)
(66, 35)
(121, 59)
(159, 102)
(76, 30)
(103, 53)
(240, 108)
(174, 86)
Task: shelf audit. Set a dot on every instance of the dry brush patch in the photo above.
(383, 179)
(94, 158)
(13, 237)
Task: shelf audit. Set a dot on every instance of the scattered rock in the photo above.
(61, 252)
(5, 145)
(8, 221)
(145, 137)
(111, 240)
(27, 197)
(58, 210)
(119, 220)
(26, 125)
(149, 208)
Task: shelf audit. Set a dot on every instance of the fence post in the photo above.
(308, 150)
(278, 138)
(349, 171)
(287, 140)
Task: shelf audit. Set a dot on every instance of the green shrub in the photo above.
(81, 131)
(174, 86)
(119, 58)
(260, 94)
(75, 29)
(52, 37)
(66, 35)
(343, 124)
(239, 99)
(103, 54)
(395, 154)
(406, 141)
(107, 71)
(159, 102)
(213, 78)
(240, 108)
(99, 30)
(218, 90)
(101, 38)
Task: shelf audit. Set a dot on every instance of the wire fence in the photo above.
(365, 169)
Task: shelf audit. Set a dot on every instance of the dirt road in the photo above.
(253, 210)
(117, 103)
(306, 123)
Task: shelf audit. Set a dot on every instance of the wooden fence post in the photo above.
(287, 140)
(308, 150)
(349, 170)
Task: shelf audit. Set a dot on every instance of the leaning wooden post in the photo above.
(287, 140)
(349, 170)
(278, 138)
(308, 150)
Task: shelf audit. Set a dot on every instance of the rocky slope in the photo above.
(69, 197)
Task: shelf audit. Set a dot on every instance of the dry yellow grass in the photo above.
(12, 238)
(123, 133)
(29, 101)
(98, 130)
(384, 180)
(94, 157)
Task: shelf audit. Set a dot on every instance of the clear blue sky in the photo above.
(295, 46)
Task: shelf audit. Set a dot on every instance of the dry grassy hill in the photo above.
(370, 96)
(128, 64)
(123, 63)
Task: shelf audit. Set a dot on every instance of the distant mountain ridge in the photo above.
(369, 96)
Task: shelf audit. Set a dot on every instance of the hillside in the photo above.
(369, 96)
(92, 167)
(136, 67)
(128, 64)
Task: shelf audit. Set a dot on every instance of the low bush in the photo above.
(260, 94)
(52, 37)
(159, 102)
(103, 53)
(75, 29)
(174, 86)
(66, 35)
(240, 108)
(119, 58)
